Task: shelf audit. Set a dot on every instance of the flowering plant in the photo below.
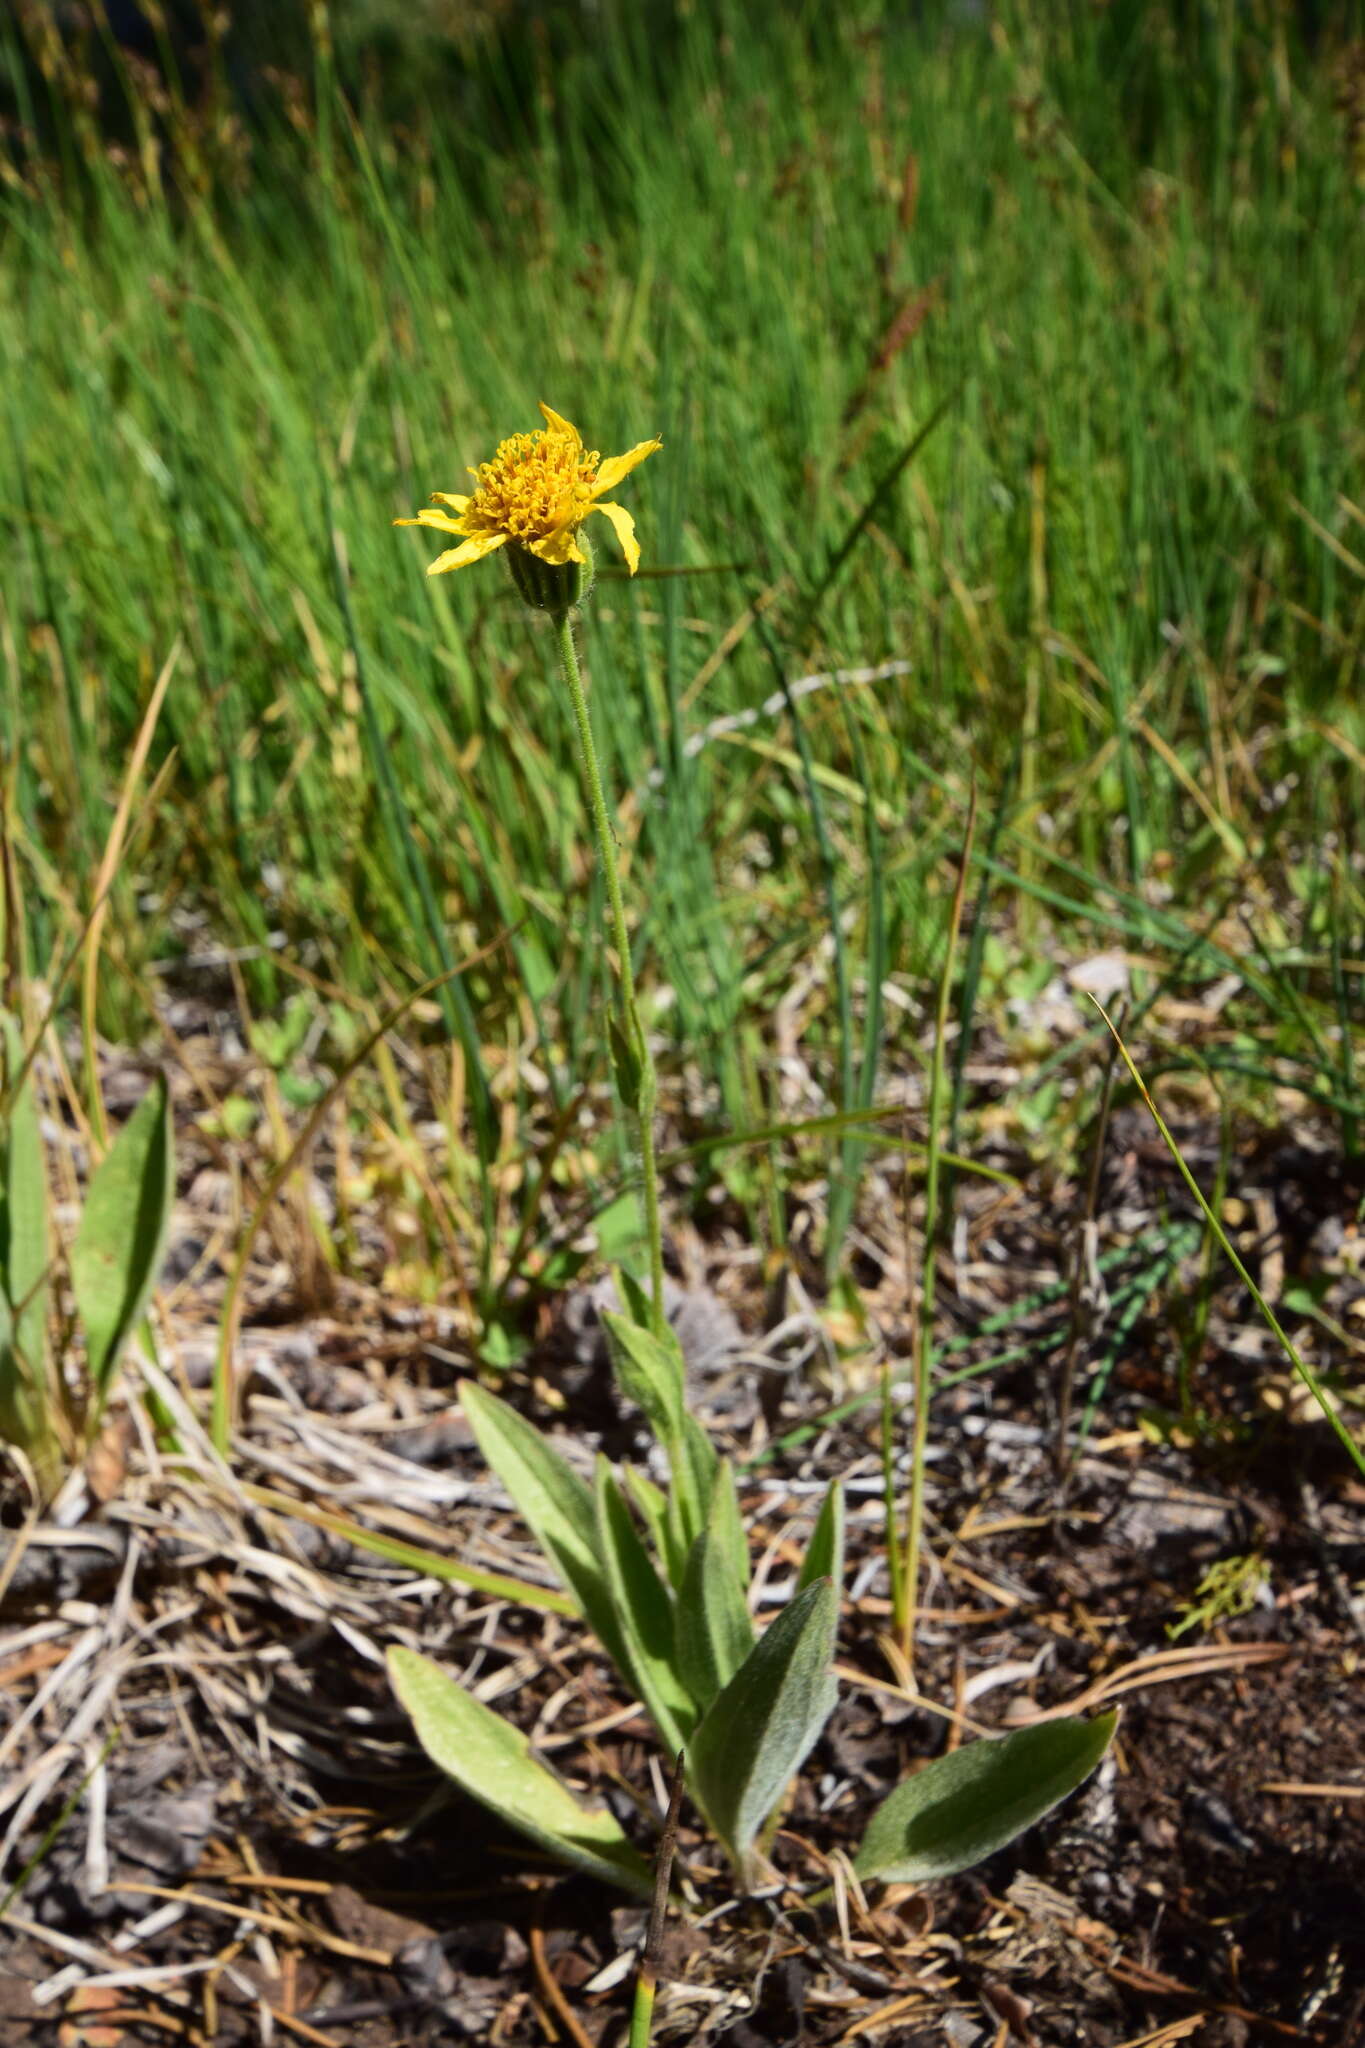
(661, 1574)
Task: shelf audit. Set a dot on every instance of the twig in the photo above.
(646, 1984)
(553, 1989)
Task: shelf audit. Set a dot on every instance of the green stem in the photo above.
(642, 2012)
(646, 1088)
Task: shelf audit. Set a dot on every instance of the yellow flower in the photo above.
(535, 495)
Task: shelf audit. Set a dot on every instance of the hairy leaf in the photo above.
(556, 1505)
(644, 1613)
(965, 1806)
(824, 1557)
(649, 1371)
(695, 1464)
(714, 1632)
(637, 1302)
(653, 1505)
(121, 1240)
(493, 1763)
(724, 1521)
(764, 1724)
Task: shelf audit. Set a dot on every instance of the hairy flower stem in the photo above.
(646, 1088)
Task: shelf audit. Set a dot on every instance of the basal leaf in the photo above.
(712, 1625)
(493, 1763)
(695, 1465)
(23, 1258)
(965, 1806)
(644, 1614)
(824, 1557)
(759, 1731)
(726, 1524)
(121, 1239)
(556, 1505)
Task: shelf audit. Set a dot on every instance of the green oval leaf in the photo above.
(649, 1371)
(763, 1725)
(24, 1391)
(644, 1614)
(962, 1808)
(121, 1240)
(824, 1557)
(556, 1505)
(493, 1763)
(714, 1632)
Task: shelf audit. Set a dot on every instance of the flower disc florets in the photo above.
(533, 497)
(535, 486)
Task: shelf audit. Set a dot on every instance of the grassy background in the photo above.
(1111, 257)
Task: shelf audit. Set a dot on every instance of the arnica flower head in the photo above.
(533, 498)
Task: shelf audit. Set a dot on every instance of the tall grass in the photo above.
(1122, 249)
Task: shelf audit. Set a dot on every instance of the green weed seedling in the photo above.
(1227, 1589)
(661, 1576)
(113, 1266)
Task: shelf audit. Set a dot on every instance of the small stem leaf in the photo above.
(713, 1629)
(24, 1390)
(965, 1806)
(649, 1371)
(764, 1724)
(625, 1064)
(644, 1614)
(824, 1557)
(638, 1305)
(653, 1506)
(555, 1504)
(121, 1241)
(492, 1762)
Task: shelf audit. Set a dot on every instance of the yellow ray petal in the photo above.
(617, 466)
(625, 533)
(442, 521)
(471, 551)
(558, 547)
(557, 424)
(450, 498)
